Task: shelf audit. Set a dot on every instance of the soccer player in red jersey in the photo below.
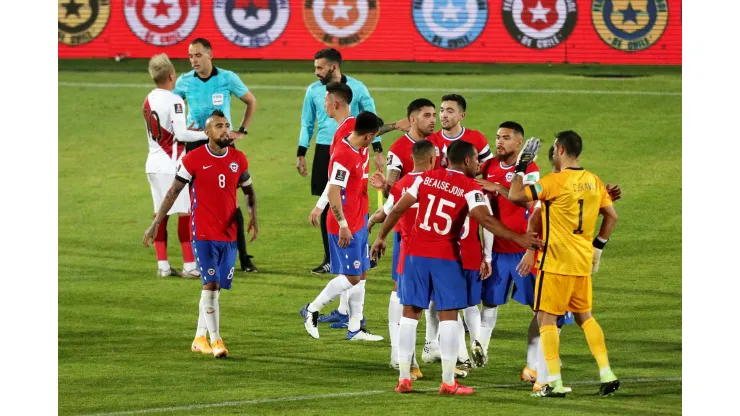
(421, 113)
(451, 114)
(452, 111)
(423, 153)
(215, 171)
(166, 130)
(432, 269)
(506, 255)
(348, 235)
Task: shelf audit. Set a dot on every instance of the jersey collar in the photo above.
(344, 121)
(345, 140)
(454, 170)
(453, 138)
(214, 72)
(501, 163)
(208, 149)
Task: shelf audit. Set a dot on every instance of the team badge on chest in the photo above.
(234, 167)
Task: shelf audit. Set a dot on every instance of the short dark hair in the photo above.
(512, 125)
(367, 122)
(217, 113)
(202, 41)
(459, 150)
(330, 54)
(418, 104)
(422, 149)
(571, 142)
(456, 98)
(341, 90)
(551, 153)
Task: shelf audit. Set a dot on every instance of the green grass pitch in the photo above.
(124, 334)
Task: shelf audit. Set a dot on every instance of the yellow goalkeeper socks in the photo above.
(550, 340)
(595, 339)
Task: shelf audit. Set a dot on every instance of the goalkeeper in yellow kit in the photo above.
(572, 200)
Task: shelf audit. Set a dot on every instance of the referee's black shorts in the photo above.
(320, 169)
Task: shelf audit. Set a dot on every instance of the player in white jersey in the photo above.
(166, 130)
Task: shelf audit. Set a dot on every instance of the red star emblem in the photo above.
(162, 9)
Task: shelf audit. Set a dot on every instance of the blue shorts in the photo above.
(475, 286)
(216, 260)
(396, 254)
(497, 287)
(352, 260)
(567, 319)
(426, 279)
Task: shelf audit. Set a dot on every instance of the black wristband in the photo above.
(378, 147)
(302, 151)
(242, 130)
(599, 244)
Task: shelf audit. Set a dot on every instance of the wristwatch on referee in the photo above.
(242, 130)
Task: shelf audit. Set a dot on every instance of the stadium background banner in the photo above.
(506, 31)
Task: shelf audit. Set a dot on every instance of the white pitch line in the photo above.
(402, 89)
(347, 394)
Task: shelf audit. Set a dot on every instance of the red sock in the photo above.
(160, 242)
(183, 231)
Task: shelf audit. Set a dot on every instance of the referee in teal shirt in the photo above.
(327, 63)
(207, 88)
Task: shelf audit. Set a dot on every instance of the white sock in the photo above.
(487, 323)
(334, 288)
(209, 308)
(217, 306)
(163, 264)
(406, 346)
(542, 371)
(472, 318)
(432, 323)
(533, 340)
(202, 327)
(462, 348)
(343, 307)
(395, 310)
(448, 344)
(189, 267)
(356, 297)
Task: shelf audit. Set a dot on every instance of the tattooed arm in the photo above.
(393, 176)
(335, 202)
(151, 233)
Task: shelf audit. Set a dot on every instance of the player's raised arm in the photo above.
(517, 193)
(308, 123)
(179, 124)
(381, 214)
(177, 186)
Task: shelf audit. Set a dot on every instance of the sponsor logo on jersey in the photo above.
(81, 21)
(630, 26)
(450, 24)
(509, 176)
(478, 197)
(540, 24)
(251, 23)
(341, 23)
(341, 175)
(234, 167)
(178, 108)
(211, 271)
(161, 22)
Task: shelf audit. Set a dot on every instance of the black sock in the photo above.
(325, 234)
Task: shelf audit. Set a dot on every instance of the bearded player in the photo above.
(215, 171)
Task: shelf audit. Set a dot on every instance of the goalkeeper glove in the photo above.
(528, 154)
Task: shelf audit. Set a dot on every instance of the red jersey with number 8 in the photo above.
(214, 180)
(445, 198)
